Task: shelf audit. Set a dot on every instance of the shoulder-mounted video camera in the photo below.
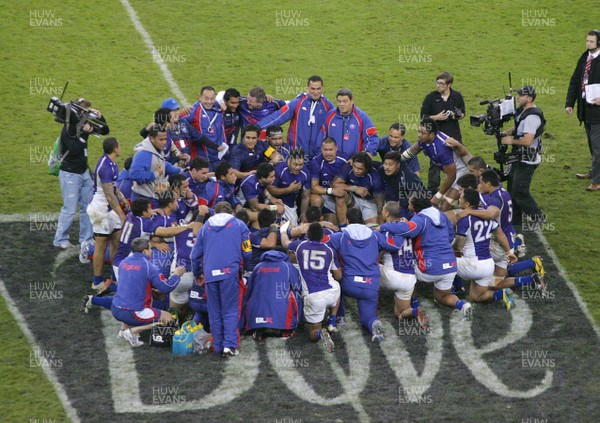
(76, 113)
(498, 112)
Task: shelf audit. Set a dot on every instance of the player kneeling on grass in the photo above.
(475, 262)
(132, 303)
(436, 262)
(398, 269)
(320, 273)
(273, 299)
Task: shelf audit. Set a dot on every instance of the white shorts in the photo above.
(459, 172)
(103, 222)
(315, 304)
(291, 215)
(116, 272)
(368, 208)
(441, 282)
(480, 271)
(181, 293)
(329, 202)
(402, 283)
(498, 254)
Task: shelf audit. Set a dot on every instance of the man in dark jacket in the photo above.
(587, 73)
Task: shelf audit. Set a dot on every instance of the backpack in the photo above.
(56, 157)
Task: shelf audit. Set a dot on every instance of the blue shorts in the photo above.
(136, 318)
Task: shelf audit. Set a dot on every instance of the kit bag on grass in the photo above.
(183, 341)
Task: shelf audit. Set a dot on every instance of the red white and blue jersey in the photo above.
(358, 247)
(231, 122)
(210, 124)
(106, 172)
(251, 188)
(137, 277)
(134, 227)
(184, 242)
(501, 198)
(432, 232)
(325, 171)
(371, 181)
(478, 233)
(353, 132)
(442, 155)
(274, 294)
(221, 249)
(315, 260)
(244, 159)
(402, 261)
(217, 191)
(253, 116)
(284, 178)
(307, 117)
(184, 136)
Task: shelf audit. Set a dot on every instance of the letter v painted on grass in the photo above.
(399, 359)
(474, 358)
(238, 377)
(353, 383)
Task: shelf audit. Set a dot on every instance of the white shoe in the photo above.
(467, 311)
(133, 338)
(230, 352)
(521, 250)
(65, 245)
(87, 304)
(327, 341)
(332, 329)
(377, 331)
(84, 252)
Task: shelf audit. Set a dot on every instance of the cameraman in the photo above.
(527, 145)
(75, 180)
(446, 107)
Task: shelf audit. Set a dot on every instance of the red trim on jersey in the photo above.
(293, 131)
(419, 253)
(360, 126)
(291, 311)
(371, 131)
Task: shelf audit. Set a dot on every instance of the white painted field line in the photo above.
(60, 390)
(156, 57)
(563, 273)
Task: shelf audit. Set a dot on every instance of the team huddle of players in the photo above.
(256, 233)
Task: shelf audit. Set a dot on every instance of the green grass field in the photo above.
(387, 52)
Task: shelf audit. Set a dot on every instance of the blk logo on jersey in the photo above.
(361, 279)
(264, 320)
(221, 272)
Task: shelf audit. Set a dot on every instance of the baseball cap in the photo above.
(170, 103)
(527, 90)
